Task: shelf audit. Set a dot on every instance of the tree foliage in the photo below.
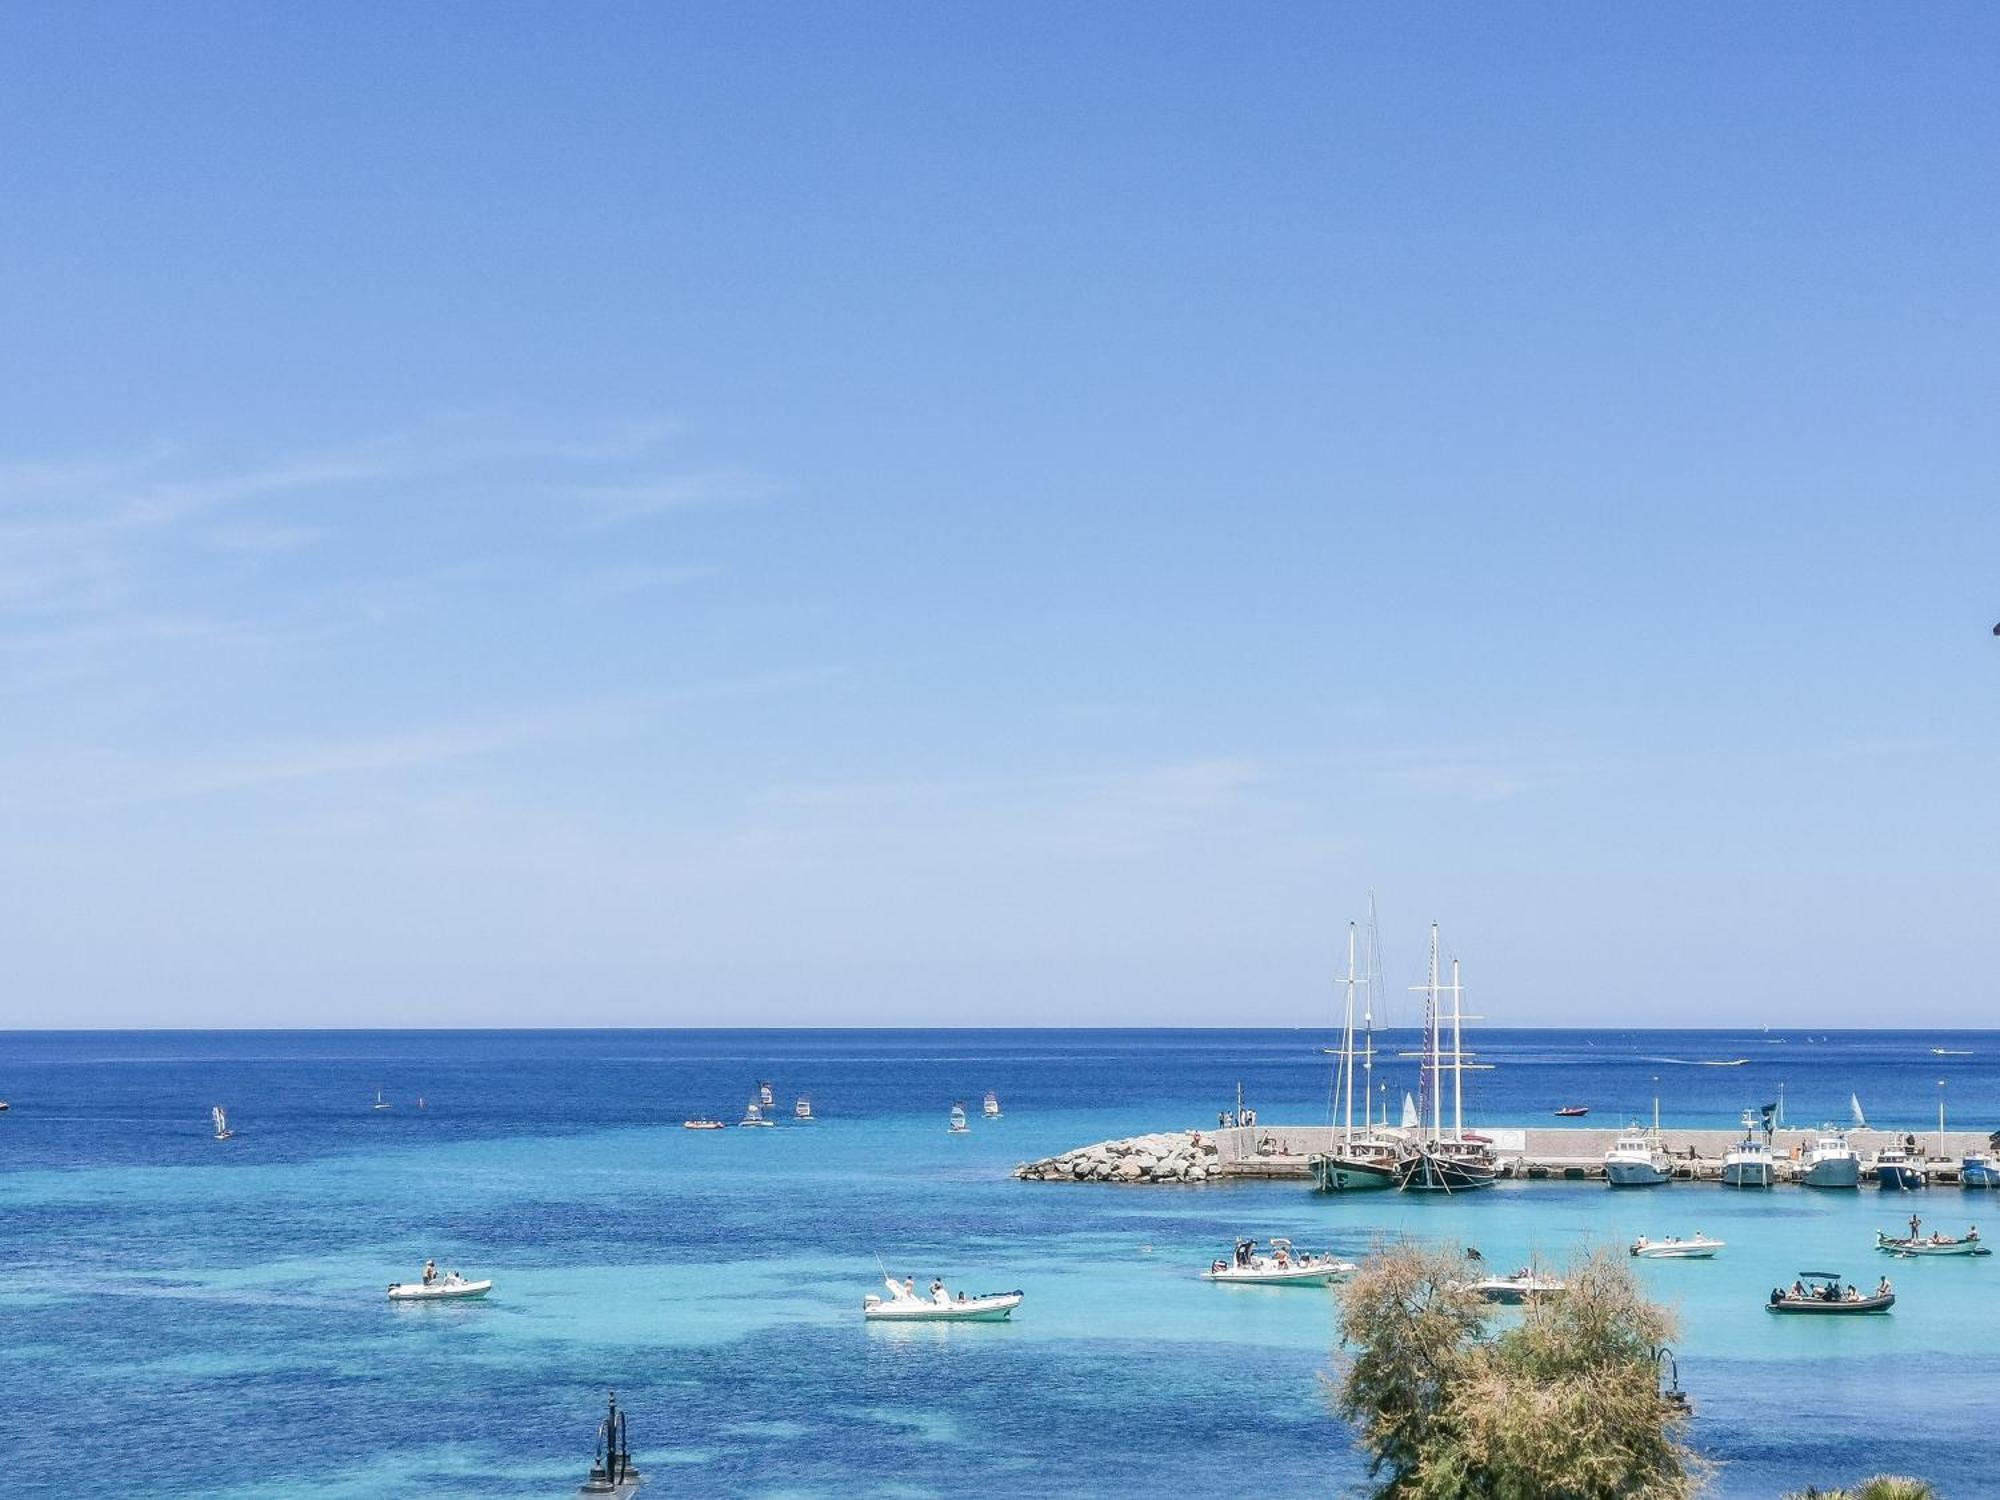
(1881, 1487)
(1565, 1404)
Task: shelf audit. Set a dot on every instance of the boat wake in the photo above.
(1700, 1062)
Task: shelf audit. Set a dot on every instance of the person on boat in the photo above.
(1883, 1289)
(1777, 1296)
(1220, 1265)
(1915, 1225)
(938, 1293)
(430, 1272)
(1798, 1288)
(909, 1288)
(1472, 1253)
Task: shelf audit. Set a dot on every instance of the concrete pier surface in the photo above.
(1534, 1152)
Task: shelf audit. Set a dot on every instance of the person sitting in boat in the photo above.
(1852, 1295)
(1798, 1288)
(1883, 1289)
(430, 1272)
(1243, 1249)
(938, 1293)
(1777, 1296)
(1284, 1257)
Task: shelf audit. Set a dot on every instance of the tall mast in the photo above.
(1431, 1025)
(1457, 1059)
(1347, 1039)
(1368, 1017)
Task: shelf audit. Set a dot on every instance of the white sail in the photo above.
(1860, 1120)
(1409, 1112)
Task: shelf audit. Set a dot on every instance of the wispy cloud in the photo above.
(615, 504)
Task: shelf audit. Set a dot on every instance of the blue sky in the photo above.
(527, 514)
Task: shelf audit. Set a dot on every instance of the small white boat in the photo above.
(902, 1305)
(991, 1108)
(802, 1108)
(703, 1124)
(221, 1118)
(445, 1288)
(1636, 1159)
(1282, 1267)
(380, 1102)
(958, 1125)
(1697, 1246)
(753, 1114)
(1513, 1290)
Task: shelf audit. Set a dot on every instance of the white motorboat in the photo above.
(902, 1305)
(703, 1124)
(1282, 1267)
(958, 1125)
(1523, 1285)
(221, 1118)
(991, 1107)
(1696, 1246)
(445, 1288)
(753, 1114)
(1748, 1163)
(1636, 1159)
(1830, 1162)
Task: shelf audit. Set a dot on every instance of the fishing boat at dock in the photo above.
(1895, 1169)
(1979, 1169)
(1830, 1162)
(1749, 1163)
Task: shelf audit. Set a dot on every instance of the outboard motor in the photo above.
(612, 1473)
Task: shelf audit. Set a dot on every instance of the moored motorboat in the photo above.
(1830, 1162)
(1818, 1292)
(1895, 1169)
(1282, 1267)
(903, 1305)
(1748, 1164)
(445, 1288)
(1363, 1165)
(1636, 1159)
(1978, 1169)
(1524, 1285)
(1696, 1246)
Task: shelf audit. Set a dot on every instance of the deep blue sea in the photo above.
(185, 1317)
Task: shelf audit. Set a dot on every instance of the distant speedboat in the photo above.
(1282, 1267)
(1951, 1052)
(703, 1124)
(958, 1125)
(1572, 1112)
(446, 1288)
(220, 1117)
(1697, 1246)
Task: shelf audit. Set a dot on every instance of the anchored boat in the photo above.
(1524, 1285)
(447, 1287)
(1282, 1267)
(1897, 1170)
(1818, 1292)
(903, 1305)
(1748, 1163)
(1573, 1112)
(1830, 1162)
(703, 1124)
(1697, 1246)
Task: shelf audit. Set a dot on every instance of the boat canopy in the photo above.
(1819, 1275)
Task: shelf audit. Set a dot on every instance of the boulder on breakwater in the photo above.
(1183, 1156)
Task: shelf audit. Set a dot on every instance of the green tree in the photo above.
(1563, 1405)
(1881, 1487)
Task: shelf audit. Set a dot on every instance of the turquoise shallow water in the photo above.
(212, 1315)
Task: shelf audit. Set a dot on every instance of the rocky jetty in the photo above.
(1184, 1156)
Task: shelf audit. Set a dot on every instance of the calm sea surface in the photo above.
(182, 1317)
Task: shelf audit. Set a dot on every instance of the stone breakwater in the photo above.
(1187, 1156)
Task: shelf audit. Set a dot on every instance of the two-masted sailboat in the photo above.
(1441, 1161)
(1358, 1163)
